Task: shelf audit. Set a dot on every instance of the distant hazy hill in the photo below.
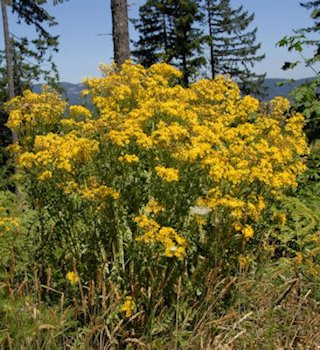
(72, 92)
(274, 90)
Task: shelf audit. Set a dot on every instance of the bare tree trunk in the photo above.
(120, 31)
(9, 61)
(212, 61)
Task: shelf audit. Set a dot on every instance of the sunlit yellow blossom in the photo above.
(14, 148)
(154, 207)
(72, 277)
(200, 220)
(247, 232)
(65, 165)
(174, 244)
(62, 152)
(96, 193)
(27, 159)
(146, 223)
(280, 105)
(168, 134)
(129, 158)
(249, 104)
(79, 112)
(45, 175)
(167, 174)
(128, 306)
(8, 224)
(281, 217)
(32, 109)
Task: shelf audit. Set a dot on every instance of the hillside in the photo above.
(71, 92)
(275, 90)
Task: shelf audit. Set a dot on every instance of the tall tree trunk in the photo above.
(9, 62)
(185, 71)
(212, 63)
(120, 31)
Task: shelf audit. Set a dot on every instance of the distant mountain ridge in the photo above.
(72, 92)
(283, 90)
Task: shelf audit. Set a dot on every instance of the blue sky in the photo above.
(84, 27)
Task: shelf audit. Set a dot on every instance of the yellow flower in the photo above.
(237, 227)
(45, 175)
(147, 224)
(200, 220)
(32, 109)
(72, 277)
(247, 232)
(76, 112)
(14, 148)
(167, 174)
(98, 193)
(282, 218)
(154, 207)
(129, 158)
(174, 244)
(8, 224)
(128, 306)
(26, 159)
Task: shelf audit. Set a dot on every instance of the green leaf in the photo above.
(290, 65)
(282, 42)
(285, 82)
(315, 13)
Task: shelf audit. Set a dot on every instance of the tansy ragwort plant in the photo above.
(156, 181)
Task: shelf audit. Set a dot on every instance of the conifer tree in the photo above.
(314, 6)
(169, 31)
(152, 25)
(233, 47)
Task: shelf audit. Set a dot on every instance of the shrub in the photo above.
(157, 187)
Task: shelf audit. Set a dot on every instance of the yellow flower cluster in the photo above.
(72, 277)
(8, 224)
(59, 152)
(129, 158)
(246, 230)
(227, 152)
(167, 174)
(282, 218)
(45, 175)
(79, 112)
(97, 193)
(32, 109)
(279, 106)
(209, 124)
(154, 207)
(128, 306)
(174, 244)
